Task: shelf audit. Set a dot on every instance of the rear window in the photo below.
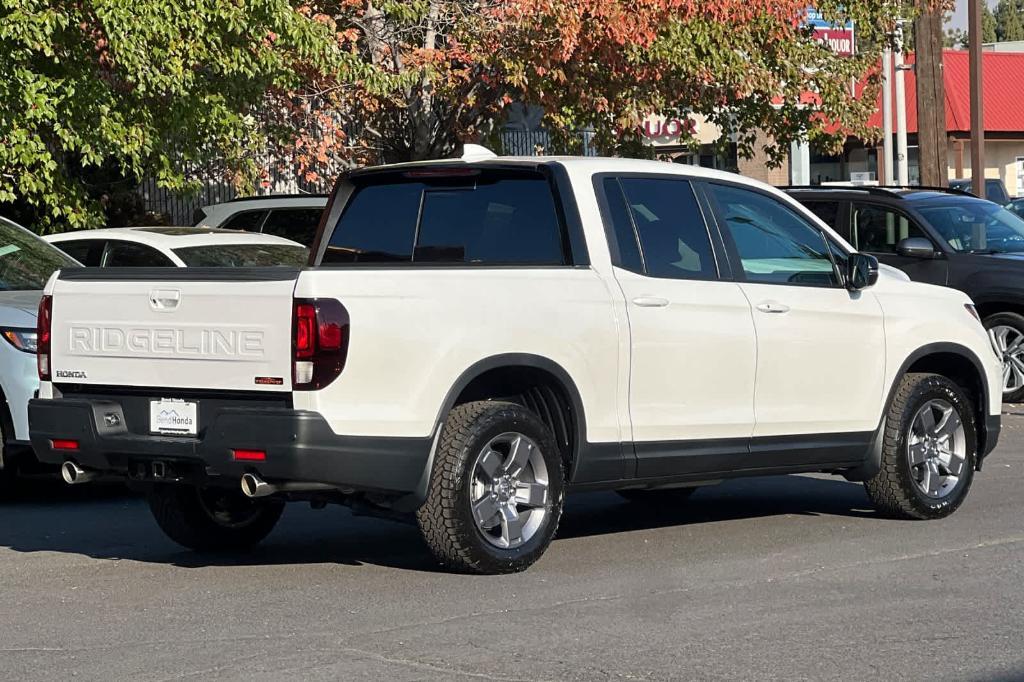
(489, 217)
(242, 255)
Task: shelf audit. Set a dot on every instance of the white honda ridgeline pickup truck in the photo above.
(475, 338)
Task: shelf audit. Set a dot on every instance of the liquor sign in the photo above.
(839, 39)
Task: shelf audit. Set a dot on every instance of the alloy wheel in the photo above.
(509, 495)
(936, 448)
(1009, 343)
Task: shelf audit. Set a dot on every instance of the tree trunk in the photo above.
(931, 98)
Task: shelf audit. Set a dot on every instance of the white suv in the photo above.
(478, 338)
(292, 216)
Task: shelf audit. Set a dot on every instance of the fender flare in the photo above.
(873, 462)
(416, 498)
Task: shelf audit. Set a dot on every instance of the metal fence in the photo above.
(183, 209)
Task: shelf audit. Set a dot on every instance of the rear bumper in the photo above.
(299, 446)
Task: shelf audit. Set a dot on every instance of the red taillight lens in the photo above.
(43, 323)
(64, 444)
(305, 330)
(249, 455)
(320, 342)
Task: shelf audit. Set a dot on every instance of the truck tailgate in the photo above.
(210, 328)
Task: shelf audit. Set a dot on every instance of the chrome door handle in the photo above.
(772, 307)
(650, 302)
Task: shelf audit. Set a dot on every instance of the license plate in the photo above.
(174, 417)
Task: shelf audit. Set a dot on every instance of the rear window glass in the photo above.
(297, 224)
(487, 218)
(242, 255)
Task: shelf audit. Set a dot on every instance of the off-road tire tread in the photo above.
(890, 491)
(436, 518)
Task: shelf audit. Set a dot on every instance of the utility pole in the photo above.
(932, 142)
(888, 176)
(977, 110)
(902, 169)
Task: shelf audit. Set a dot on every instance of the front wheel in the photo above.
(496, 489)
(212, 518)
(928, 451)
(1007, 333)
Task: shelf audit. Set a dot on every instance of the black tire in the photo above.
(446, 518)
(1017, 322)
(212, 518)
(664, 497)
(893, 490)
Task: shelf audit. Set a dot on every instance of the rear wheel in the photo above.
(496, 489)
(928, 451)
(1007, 333)
(212, 518)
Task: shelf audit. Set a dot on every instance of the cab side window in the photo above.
(88, 252)
(876, 229)
(774, 243)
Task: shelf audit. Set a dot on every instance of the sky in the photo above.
(960, 14)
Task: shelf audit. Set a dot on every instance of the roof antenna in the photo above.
(476, 152)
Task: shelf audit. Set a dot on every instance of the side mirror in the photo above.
(915, 247)
(861, 271)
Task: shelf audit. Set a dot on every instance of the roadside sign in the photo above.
(840, 39)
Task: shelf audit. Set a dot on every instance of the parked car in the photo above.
(995, 190)
(177, 247)
(26, 262)
(944, 238)
(478, 338)
(294, 217)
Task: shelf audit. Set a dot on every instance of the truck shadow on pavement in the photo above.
(112, 524)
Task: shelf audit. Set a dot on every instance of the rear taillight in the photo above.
(43, 323)
(320, 332)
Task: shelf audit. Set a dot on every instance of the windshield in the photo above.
(26, 261)
(242, 255)
(977, 226)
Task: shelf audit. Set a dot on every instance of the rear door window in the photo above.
(674, 239)
(248, 221)
(828, 211)
(88, 252)
(132, 255)
(297, 224)
(476, 218)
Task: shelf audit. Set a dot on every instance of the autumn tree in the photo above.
(166, 88)
(449, 67)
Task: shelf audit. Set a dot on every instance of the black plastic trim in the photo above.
(263, 274)
(299, 446)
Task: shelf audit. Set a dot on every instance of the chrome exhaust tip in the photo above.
(74, 474)
(254, 486)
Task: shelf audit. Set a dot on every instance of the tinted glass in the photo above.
(877, 229)
(132, 255)
(622, 224)
(243, 255)
(994, 192)
(86, 251)
(246, 220)
(297, 224)
(775, 244)
(491, 218)
(828, 211)
(976, 226)
(674, 240)
(26, 261)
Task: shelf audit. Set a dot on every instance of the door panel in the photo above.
(820, 360)
(820, 347)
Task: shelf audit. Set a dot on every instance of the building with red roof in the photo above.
(1003, 122)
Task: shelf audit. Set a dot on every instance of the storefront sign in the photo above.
(839, 39)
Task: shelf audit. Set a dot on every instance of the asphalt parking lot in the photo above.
(788, 577)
